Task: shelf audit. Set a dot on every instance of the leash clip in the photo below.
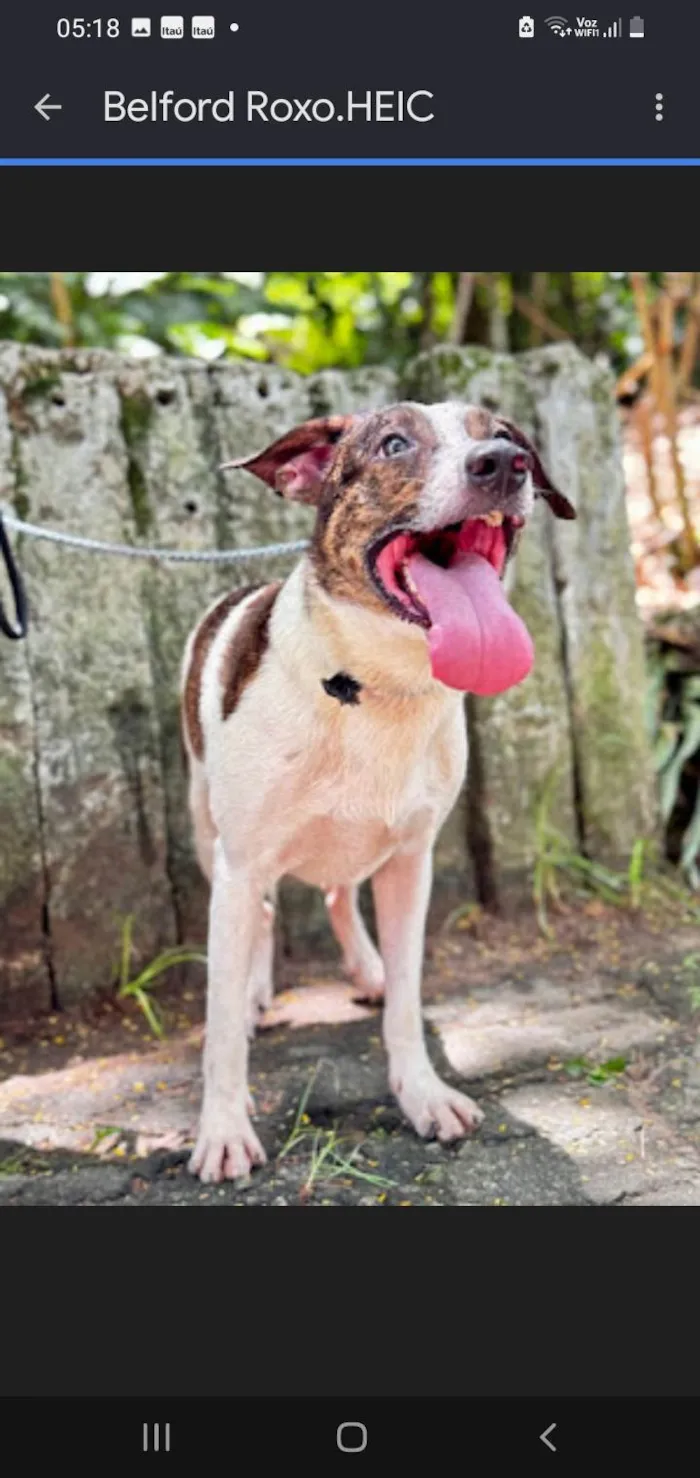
(19, 629)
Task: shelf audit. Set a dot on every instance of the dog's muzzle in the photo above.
(498, 468)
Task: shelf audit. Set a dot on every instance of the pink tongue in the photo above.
(477, 643)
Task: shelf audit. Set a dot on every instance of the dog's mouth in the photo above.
(448, 581)
(490, 535)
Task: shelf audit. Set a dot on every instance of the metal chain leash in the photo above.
(127, 551)
(139, 551)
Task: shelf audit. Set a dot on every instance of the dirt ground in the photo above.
(582, 1050)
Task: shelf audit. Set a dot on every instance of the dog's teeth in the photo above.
(494, 519)
(410, 583)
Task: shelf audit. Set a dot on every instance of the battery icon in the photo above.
(636, 26)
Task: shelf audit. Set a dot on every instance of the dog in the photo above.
(323, 721)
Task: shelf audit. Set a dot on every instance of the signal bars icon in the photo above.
(615, 29)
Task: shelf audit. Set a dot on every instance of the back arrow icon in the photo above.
(544, 1437)
(44, 106)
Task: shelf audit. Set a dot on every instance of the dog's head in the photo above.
(418, 510)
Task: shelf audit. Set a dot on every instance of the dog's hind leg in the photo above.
(360, 957)
(260, 981)
(205, 832)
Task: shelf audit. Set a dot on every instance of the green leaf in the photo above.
(655, 689)
(636, 871)
(127, 932)
(615, 1064)
(149, 1011)
(166, 961)
(665, 745)
(576, 1067)
(691, 837)
(670, 779)
(607, 1070)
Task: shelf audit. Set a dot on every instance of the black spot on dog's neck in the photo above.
(343, 687)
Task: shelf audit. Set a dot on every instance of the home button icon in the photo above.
(351, 1437)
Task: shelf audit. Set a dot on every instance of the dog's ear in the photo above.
(296, 465)
(542, 483)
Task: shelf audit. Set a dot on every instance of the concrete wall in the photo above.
(93, 818)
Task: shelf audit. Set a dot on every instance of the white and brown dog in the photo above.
(324, 723)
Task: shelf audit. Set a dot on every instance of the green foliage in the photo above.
(329, 1159)
(596, 1073)
(312, 320)
(558, 863)
(635, 872)
(140, 988)
(673, 708)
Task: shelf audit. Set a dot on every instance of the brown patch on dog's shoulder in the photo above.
(479, 423)
(247, 647)
(206, 631)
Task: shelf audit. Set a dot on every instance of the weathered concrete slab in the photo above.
(23, 972)
(524, 1026)
(97, 760)
(621, 1153)
(521, 740)
(592, 563)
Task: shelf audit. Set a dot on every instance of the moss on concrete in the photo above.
(136, 416)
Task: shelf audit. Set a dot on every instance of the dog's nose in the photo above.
(498, 467)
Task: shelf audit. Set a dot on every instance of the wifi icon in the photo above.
(558, 24)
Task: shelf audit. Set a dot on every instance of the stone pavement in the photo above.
(590, 1085)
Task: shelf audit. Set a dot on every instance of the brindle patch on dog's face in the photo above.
(369, 494)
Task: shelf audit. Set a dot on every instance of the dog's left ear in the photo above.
(296, 465)
(542, 483)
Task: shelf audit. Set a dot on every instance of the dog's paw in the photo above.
(436, 1110)
(227, 1147)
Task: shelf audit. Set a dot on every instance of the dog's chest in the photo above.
(328, 851)
(362, 791)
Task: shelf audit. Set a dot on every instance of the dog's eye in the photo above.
(394, 445)
(502, 436)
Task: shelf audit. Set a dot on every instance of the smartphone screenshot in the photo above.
(349, 735)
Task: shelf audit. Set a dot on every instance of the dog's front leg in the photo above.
(401, 894)
(227, 1146)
